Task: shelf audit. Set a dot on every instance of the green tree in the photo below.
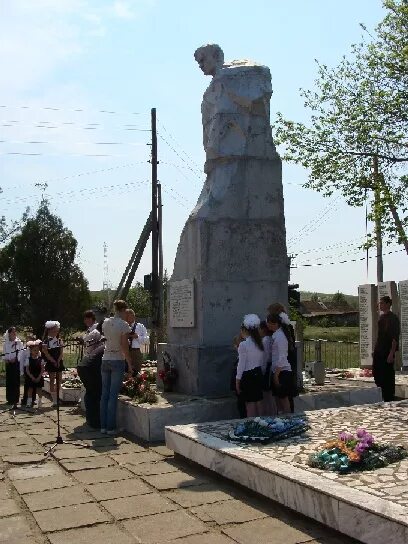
(315, 297)
(139, 300)
(339, 299)
(8, 229)
(358, 120)
(39, 277)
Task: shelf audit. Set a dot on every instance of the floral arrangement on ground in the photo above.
(356, 452)
(268, 429)
(140, 388)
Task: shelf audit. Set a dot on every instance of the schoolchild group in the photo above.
(32, 361)
(265, 378)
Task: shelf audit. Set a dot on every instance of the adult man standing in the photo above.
(89, 369)
(385, 349)
(137, 338)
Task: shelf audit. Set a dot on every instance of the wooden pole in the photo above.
(155, 243)
(161, 293)
(377, 217)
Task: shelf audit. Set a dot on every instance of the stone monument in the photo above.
(403, 293)
(232, 258)
(368, 308)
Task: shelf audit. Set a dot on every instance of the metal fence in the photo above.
(334, 354)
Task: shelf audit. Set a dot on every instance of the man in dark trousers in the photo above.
(89, 370)
(385, 349)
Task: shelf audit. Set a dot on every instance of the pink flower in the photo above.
(345, 436)
(361, 432)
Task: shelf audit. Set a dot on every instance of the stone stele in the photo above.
(233, 246)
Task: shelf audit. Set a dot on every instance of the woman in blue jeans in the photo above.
(116, 331)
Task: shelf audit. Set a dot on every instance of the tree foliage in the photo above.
(358, 112)
(39, 277)
(139, 300)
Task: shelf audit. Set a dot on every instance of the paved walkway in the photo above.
(118, 490)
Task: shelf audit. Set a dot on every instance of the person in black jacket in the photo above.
(89, 370)
(385, 349)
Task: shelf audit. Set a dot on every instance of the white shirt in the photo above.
(113, 328)
(53, 342)
(11, 349)
(143, 337)
(280, 351)
(249, 357)
(23, 359)
(91, 339)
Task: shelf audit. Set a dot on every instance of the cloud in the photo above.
(123, 10)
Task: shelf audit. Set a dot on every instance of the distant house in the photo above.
(339, 314)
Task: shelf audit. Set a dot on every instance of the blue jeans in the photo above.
(112, 378)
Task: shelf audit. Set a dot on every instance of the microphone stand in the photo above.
(59, 440)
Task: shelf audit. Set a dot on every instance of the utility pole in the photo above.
(155, 244)
(377, 215)
(161, 292)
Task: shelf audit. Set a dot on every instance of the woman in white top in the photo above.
(269, 404)
(116, 331)
(11, 347)
(281, 371)
(250, 362)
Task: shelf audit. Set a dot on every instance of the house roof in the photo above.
(311, 307)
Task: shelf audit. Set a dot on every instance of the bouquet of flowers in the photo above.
(168, 374)
(356, 452)
(139, 389)
(366, 373)
(268, 429)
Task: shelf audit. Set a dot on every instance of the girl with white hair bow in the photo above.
(249, 380)
(11, 347)
(52, 350)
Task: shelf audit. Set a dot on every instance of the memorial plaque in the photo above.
(403, 292)
(367, 298)
(182, 303)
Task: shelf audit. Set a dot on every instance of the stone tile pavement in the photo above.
(115, 489)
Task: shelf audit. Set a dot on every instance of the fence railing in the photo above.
(334, 354)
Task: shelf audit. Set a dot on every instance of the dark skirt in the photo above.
(285, 388)
(35, 371)
(50, 367)
(251, 385)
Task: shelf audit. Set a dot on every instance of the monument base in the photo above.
(369, 506)
(202, 370)
(148, 421)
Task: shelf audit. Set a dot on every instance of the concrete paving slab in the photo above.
(164, 527)
(115, 490)
(151, 469)
(35, 471)
(109, 474)
(100, 534)
(55, 498)
(139, 506)
(189, 497)
(263, 530)
(173, 480)
(86, 463)
(223, 513)
(42, 484)
(8, 507)
(14, 530)
(137, 458)
(69, 517)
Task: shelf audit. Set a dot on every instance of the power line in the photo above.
(69, 124)
(195, 171)
(77, 110)
(346, 261)
(38, 154)
(78, 191)
(179, 146)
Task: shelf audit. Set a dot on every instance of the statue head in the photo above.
(210, 58)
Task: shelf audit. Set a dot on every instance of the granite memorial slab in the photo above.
(370, 506)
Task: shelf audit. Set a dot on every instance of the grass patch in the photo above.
(346, 334)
